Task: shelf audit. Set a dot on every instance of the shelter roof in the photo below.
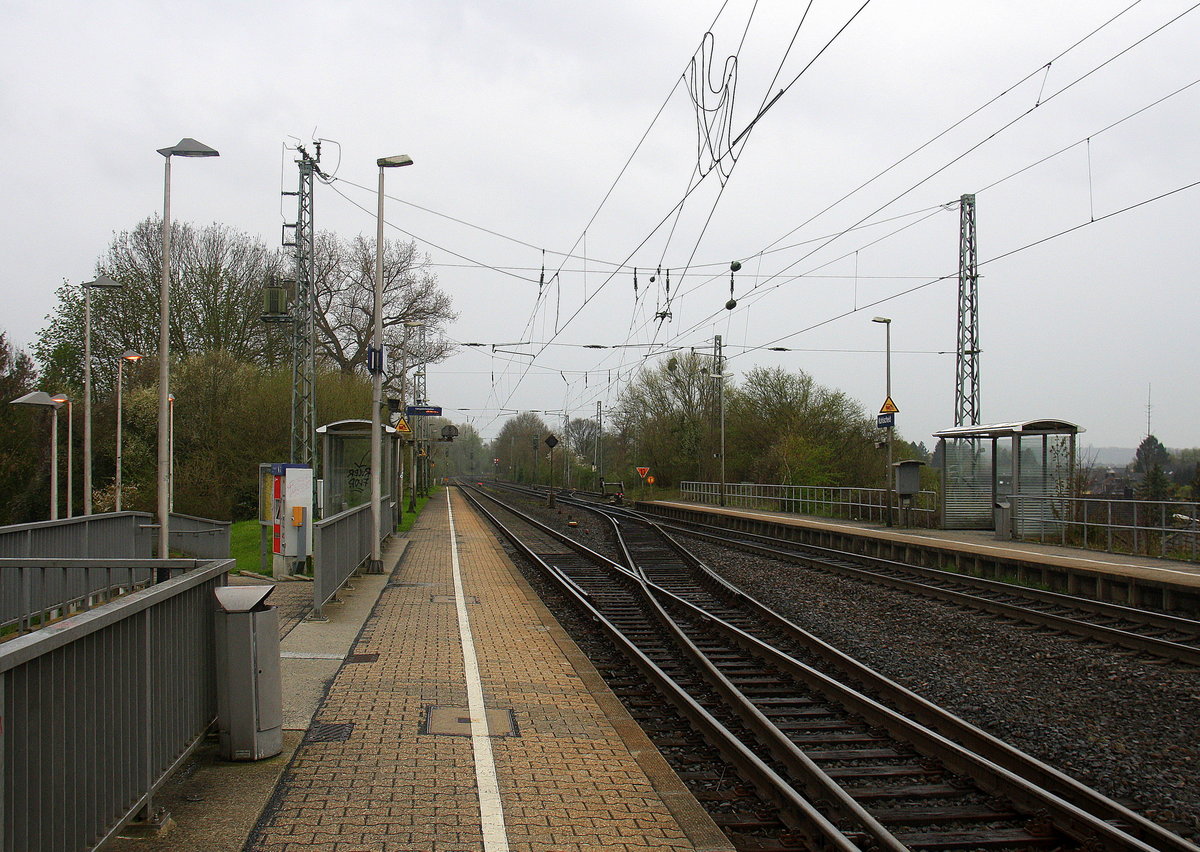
(1004, 430)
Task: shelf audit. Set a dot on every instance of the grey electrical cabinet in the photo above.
(908, 477)
(249, 689)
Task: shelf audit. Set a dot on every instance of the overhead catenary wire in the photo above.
(693, 271)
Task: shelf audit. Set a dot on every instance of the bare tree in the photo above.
(344, 275)
(217, 276)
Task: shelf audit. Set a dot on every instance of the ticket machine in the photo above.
(291, 517)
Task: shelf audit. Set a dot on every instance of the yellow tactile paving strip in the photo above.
(567, 782)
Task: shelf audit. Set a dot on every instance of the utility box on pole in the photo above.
(907, 485)
(249, 687)
(908, 477)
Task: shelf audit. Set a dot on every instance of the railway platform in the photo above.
(460, 717)
(1118, 578)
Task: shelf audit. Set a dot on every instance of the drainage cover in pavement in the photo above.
(362, 658)
(329, 732)
(456, 722)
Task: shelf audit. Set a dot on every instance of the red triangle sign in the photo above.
(642, 471)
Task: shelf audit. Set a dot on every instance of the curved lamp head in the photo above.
(61, 398)
(103, 281)
(189, 147)
(884, 320)
(131, 356)
(394, 162)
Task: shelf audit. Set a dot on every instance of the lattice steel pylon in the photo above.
(966, 378)
(304, 364)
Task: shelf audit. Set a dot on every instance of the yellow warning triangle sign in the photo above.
(889, 407)
(403, 427)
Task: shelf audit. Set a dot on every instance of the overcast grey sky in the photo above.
(521, 116)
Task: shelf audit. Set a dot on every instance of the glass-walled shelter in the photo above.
(346, 465)
(986, 470)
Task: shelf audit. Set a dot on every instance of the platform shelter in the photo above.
(346, 465)
(986, 470)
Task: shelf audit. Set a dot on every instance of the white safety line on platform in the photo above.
(491, 809)
(943, 541)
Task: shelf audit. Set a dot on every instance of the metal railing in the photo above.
(341, 545)
(853, 504)
(1157, 528)
(35, 592)
(101, 710)
(112, 535)
(201, 538)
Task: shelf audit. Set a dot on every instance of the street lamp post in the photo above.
(171, 442)
(187, 147)
(887, 324)
(412, 447)
(375, 365)
(107, 283)
(44, 400)
(62, 398)
(132, 357)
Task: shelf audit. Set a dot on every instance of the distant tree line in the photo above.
(780, 427)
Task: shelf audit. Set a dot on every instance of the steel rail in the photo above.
(838, 562)
(800, 814)
(816, 782)
(935, 732)
(930, 715)
(1073, 804)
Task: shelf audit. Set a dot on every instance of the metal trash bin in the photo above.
(1003, 515)
(249, 688)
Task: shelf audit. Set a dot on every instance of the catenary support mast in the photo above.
(966, 386)
(304, 364)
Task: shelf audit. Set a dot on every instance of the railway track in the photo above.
(1156, 634)
(848, 759)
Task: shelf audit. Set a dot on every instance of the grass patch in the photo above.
(410, 518)
(244, 546)
(244, 536)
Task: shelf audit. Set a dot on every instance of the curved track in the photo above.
(1157, 634)
(844, 768)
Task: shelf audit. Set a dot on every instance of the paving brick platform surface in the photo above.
(370, 776)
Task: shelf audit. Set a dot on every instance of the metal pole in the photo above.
(377, 394)
(54, 467)
(888, 325)
(600, 445)
(721, 391)
(117, 507)
(187, 147)
(70, 446)
(87, 399)
(171, 442)
(423, 459)
(164, 372)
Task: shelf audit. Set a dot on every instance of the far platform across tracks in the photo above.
(1137, 581)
